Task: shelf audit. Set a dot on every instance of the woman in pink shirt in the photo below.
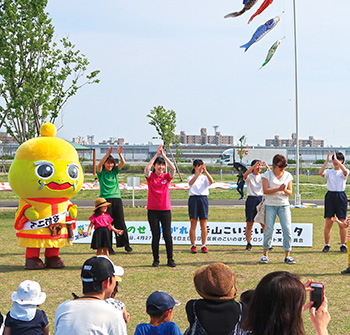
(159, 204)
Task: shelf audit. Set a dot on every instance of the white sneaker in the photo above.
(264, 259)
(289, 260)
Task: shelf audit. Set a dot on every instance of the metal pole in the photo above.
(297, 194)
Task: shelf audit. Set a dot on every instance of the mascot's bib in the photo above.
(45, 223)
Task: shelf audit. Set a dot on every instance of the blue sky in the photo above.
(185, 56)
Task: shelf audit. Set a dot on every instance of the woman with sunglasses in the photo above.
(277, 186)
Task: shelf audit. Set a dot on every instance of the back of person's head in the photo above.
(276, 306)
(96, 270)
(279, 160)
(197, 162)
(246, 296)
(215, 281)
(340, 156)
(158, 303)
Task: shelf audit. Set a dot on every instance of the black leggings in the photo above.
(116, 211)
(154, 219)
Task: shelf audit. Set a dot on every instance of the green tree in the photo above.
(36, 76)
(165, 123)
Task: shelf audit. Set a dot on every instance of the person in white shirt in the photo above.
(255, 194)
(277, 187)
(91, 313)
(198, 206)
(336, 201)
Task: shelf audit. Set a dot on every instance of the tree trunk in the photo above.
(177, 169)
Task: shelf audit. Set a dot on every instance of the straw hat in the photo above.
(215, 282)
(101, 202)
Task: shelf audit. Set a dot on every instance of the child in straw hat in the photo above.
(101, 221)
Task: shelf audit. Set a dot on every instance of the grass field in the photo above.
(141, 279)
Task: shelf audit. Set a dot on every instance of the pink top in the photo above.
(103, 220)
(158, 192)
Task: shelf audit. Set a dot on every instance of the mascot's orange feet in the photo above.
(54, 262)
(34, 264)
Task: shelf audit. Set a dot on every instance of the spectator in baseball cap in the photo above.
(159, 307)
(91, 313)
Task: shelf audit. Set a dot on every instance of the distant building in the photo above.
(204, 138)
(5, 138)
(277, 142)
(113, 141)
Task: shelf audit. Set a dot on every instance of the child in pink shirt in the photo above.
(101, 221)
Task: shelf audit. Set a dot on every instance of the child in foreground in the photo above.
(120, 306)
(159, 307)
(101, 221)
(24, 317)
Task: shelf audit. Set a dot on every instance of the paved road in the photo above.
(175, 203)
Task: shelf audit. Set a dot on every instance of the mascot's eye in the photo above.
(45, 171)
(73, 171)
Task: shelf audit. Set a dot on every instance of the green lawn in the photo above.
(141, 279)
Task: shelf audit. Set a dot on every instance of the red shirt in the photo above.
(158, 192)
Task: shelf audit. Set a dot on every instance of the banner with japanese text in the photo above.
(219, 233)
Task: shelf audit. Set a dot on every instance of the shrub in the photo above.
(319, 161)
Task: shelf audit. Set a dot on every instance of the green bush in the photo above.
(319, 161)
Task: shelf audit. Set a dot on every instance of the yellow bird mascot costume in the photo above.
(45, 174)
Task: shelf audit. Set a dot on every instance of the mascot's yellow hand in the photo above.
(73, 211)
(31, 214)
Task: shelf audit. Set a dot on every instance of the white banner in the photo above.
(219, 233)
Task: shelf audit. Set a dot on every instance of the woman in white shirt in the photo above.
(198, 202)
(277, 186)
(255, 194)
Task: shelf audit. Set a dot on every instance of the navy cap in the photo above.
(159, 302)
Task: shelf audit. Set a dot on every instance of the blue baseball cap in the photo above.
(159, 302)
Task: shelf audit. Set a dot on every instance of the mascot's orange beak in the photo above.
(59, 187)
